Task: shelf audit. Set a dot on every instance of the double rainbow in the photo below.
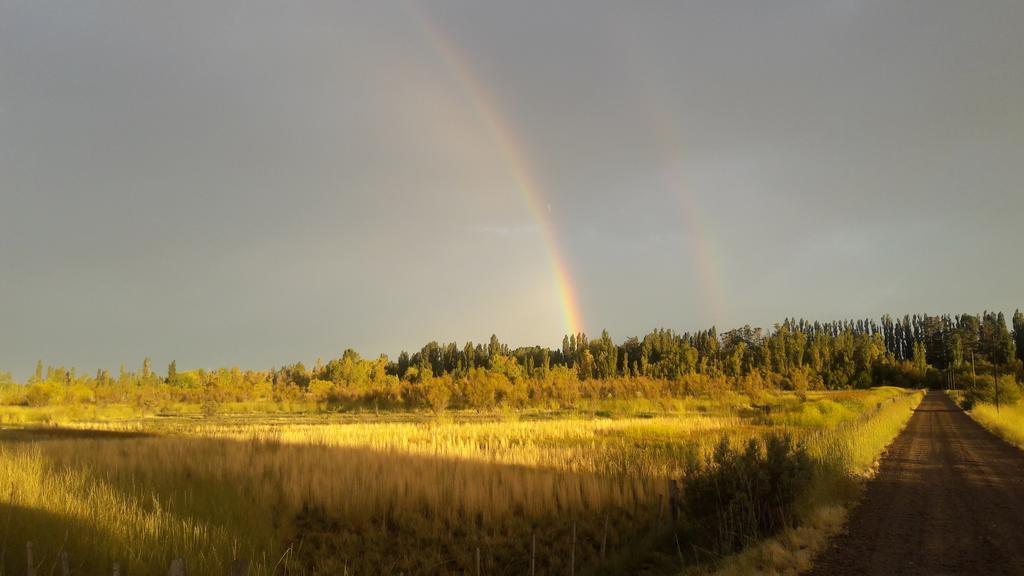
(513, 152)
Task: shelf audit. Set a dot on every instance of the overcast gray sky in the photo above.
(260, 182)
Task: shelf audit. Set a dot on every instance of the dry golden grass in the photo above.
(67, 507)
(1007, 421)
(793, 551)
(260, 489)
(633, 446)
(152, 486)
(380, 497)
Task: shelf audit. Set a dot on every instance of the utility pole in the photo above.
(996, 368)
(974, 375)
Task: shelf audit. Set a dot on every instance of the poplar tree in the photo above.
(1018, 333)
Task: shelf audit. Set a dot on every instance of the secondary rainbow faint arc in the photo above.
(699, 240)
(696, 233)
(511, 149)
(698, 237)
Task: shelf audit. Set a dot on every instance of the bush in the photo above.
(210, 408)
(437, 394)
(41, 394)
(319, 390)
(742, 496)
(983, 389)
(967, 402)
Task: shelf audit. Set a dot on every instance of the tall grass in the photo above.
(1007, 422)
(645, 447)
(329, 505)
(66, 507)
(852, 446)
(407, 496)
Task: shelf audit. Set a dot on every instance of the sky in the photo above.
(257, 182)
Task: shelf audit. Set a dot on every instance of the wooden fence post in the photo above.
(177, 567)
(675, 499)
(65, 565)
(117, 569)
(572, 557)
(604, 536)
(660, 508)
(533, 557)
(240, 567)
(31, 571)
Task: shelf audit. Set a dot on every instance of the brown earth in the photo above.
(948, 499)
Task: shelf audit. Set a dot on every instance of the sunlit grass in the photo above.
(1007, 421)
(273, 496)
(854, 444)
(420, 494)
(57, 506)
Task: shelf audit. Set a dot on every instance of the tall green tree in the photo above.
(1018, 333)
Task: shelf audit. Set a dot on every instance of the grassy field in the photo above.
(1007, 421)
(586, 491)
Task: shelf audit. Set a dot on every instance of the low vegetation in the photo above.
(841, 457)
(1007, 421)
(424, 494)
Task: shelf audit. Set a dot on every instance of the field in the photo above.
(494, 493)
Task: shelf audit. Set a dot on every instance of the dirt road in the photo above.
(948, 499)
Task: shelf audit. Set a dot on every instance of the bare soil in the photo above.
(948, 499)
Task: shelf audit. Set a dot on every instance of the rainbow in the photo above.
(697, 236)
(513, 152)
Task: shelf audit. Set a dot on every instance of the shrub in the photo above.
(437, 394)
(744, 495)
(210, 408)
(983, 389)
(41, 394)
(319, 390)
(482, 388)
(967, 402)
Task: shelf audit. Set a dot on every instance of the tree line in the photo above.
(915, 350)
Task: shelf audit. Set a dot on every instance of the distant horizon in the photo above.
(160, 367)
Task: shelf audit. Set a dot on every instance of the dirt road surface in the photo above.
(948, 499)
